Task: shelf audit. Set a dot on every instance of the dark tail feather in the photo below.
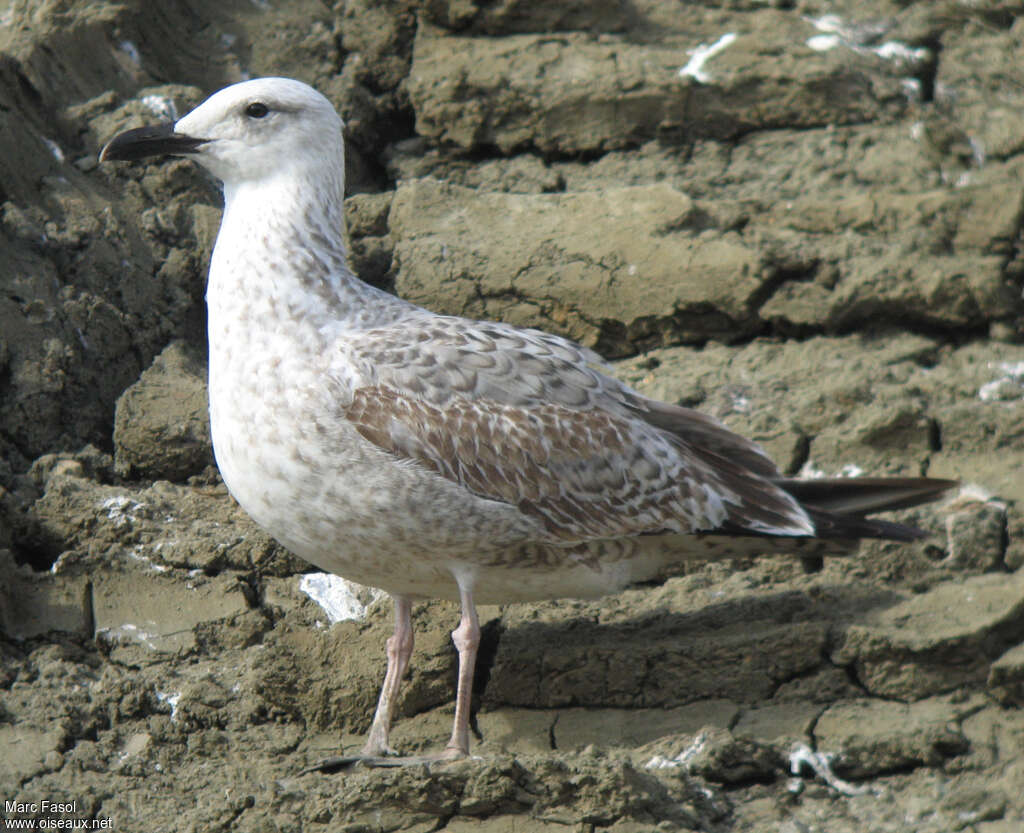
(864, 495)
(854, 527)
(837, 506)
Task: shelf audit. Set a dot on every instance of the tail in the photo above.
(835, 506)
(838, 506)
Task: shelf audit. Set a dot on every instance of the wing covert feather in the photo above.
(581, 474)
(524, 417)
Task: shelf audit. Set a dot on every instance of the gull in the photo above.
(435, 456)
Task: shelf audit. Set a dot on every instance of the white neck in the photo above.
(282, 244)
(280, 265)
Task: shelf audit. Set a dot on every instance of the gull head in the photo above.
(247, 133)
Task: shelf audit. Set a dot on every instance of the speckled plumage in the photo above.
(386, 443)
(435, 456)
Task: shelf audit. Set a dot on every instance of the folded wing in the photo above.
(525, 418)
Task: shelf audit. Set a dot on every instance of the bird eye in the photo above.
(257, 110)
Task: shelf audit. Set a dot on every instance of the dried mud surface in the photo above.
(815, 235)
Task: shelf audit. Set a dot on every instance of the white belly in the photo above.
(312, 482)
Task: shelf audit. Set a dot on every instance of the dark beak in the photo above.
(155, 140)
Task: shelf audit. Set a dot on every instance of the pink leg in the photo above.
(467, 639)
(399, 650)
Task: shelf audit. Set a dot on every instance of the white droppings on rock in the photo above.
(823, 43)
(971, 493)
(859, 39)
(893, 50)
(810, 471)
(161, 106)
(122, 510)
(1009, 387)
(821, 765)
(683, 759)
(695, 67)
(826, 23)
(341, 599)
(171, 698)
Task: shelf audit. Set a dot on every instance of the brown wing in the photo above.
(583, 474)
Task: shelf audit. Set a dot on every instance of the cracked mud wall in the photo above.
(815, 236)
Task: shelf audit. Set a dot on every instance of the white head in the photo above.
(248, 132)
